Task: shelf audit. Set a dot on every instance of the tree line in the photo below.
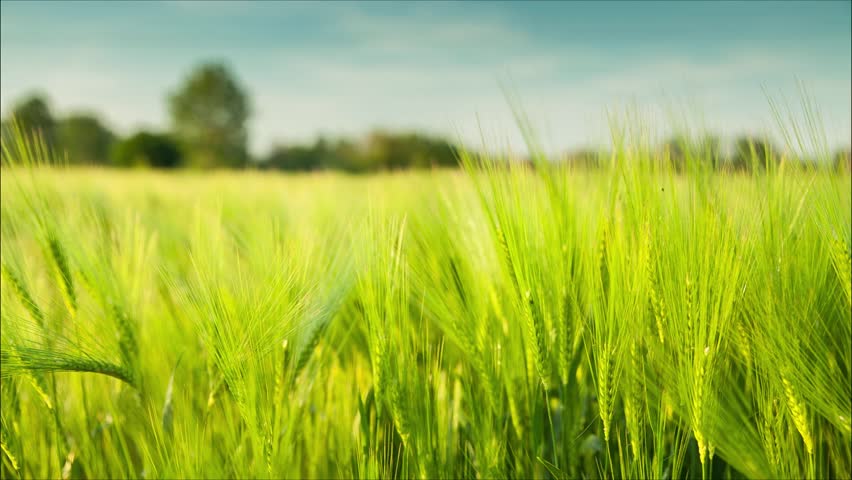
(209, 113)
(745, 153)
(210, 109)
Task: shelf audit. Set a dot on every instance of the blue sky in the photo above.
(345, 68)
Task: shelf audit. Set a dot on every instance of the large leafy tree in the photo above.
(209, 113)
(85, 139)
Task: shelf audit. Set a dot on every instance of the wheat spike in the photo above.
(605, 388)
(842, 259)
(12, 460)
(23, 293)
(698, 403)
(799, 414)
(63, 273)
(633, 402)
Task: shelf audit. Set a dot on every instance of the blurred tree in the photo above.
(675, 149)
(752, 153)
(705, 150)
(843, 161)
(329, 152)
(380, 150)
(346, 155)
(209, 114)
(33, 115)
(709, 151)
(293, 158)
(85, 139)
(5, 140)
(5, 131)
(395, 151)
(146, 149)
(584, 158)
(437, 152)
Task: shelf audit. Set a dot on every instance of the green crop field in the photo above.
(504, 320)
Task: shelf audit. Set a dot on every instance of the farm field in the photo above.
(488, 322)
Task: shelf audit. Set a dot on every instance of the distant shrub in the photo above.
(85, 139)
(752, 153)
(294, 158)
(379, 151)
(146, 149)
(585, 159)
(680, 151)
(843, 161)
(395, 151)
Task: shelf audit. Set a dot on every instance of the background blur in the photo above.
(367, 86)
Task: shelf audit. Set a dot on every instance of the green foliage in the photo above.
(843, 161)
(146, 149)
(85, 139)
(753, 153)
(77, 139)
(209, 112)
(512, 320)
(34, 115)
(380, 151)
(295, 158)
(396, 151)
(682, 150)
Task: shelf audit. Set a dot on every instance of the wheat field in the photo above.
(498, 321)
